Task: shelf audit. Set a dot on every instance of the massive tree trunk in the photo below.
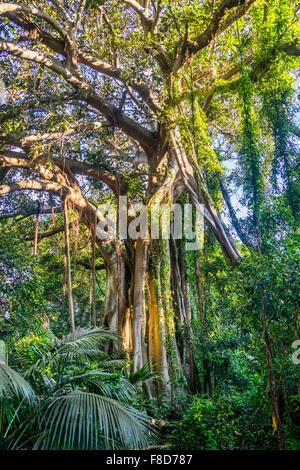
(182, 312)
(139, 308)
(116, 315)
(157, 352)
(164, 269)
(68, 268)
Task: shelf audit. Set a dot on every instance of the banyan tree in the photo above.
(109, 98)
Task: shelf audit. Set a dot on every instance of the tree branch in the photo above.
(32, 185)
(144, 13)
(18, 159)
(17, 7)
(25, 214)
(87, 169)
(31, 139)
(234, 16)
(58, 46)
(40, 59)
(148, 140)
(49, 234)
(191, 46)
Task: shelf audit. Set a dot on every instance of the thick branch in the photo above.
(28, 140)
(58, 46)
(25, 214)
(17, 7)
(141, 88)
(31, 185)
(94, 126)
(49, 234)
(18, 159)
(144, 13)
(148, 140)
(40, 59)
(234, 16)
(89, 170)
(191, 46)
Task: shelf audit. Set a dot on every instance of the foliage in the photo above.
(82, 403)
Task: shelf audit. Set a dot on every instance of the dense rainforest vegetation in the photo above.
(117, 343)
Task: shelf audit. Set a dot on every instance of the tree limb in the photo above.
(17, 7)
(18, 159)
(58, 46)
(191, 46)
(148, 140)
(25, 214)
(32, 185)
(48, 234)
(144, 13)
(40, 59)
(31, 139)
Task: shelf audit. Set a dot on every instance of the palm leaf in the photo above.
(78, 347)
(123, 390)
(143, 374)
(84, 338)
(81, 420)
(13, 384)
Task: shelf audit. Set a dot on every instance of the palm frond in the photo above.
(80, 355)
(85, 337)
(78, 347)
(143, 374)
(83, 342)
(12, 384)
(81, 420)
(122, 390)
